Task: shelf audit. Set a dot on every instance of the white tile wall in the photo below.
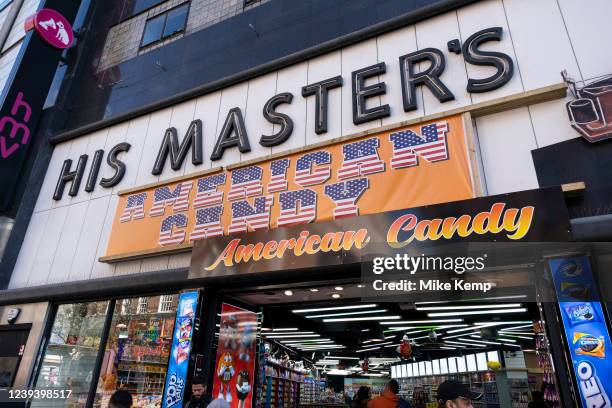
(65, 238)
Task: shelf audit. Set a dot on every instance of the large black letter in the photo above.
(73, 177)
(234, 125)
(95, 169)
(281, 119)
(501, 61)
(361, 92)
(429, 77)
(321, 91)
(116, 164)
(170, 144)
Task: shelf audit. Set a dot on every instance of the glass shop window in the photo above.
(165, 25)
(137, 351)
(70, 356)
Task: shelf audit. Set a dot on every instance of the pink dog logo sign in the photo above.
(52, 27)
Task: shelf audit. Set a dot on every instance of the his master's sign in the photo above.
(360, 176)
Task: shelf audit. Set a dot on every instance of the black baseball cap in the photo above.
(451, 389)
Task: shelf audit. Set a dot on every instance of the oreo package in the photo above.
(589, 345)
(580, 313)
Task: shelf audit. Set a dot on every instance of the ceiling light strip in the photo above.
(347, 313)
(360, 319)
(478, 312)
(325, 309)
(472, 307)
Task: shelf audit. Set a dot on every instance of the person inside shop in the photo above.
(120, 399)
(389, 398)
(537, 400)
(199, 396)
(455, 394)
(362, 398)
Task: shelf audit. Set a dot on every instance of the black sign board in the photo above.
(527, 216)
(22, 104)
(577, 160)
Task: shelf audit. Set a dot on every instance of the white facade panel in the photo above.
(260, 90)
(390, 47)
(291, 80)
(69, 239)
(437, 32)
(588, 25)
(506, 140)
(321, 68)
(89, 238)
(355, 57)
(478, 16)
(541, 42)
(232, 97)
(158, 123)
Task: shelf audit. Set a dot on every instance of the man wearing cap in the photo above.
(455, 394)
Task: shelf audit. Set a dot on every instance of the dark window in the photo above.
(176, 20)
(249, 2)
(153, 30)
(165, 25)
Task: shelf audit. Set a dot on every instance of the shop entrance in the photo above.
(319, 345)
(13, 340)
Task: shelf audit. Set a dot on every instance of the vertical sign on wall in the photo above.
(235, 366)
(176, 376)
(586, 332)
(24, 96)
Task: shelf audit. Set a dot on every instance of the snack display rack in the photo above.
(281, 386)
(519, 392)
(309, 391)
(486, 384)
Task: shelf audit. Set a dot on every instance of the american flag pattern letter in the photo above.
(168, 234)
(431, 146)
(207, 191)
(297, 207)
(246, 182)
(305, 175)
(208, 223)
(134, 209)
(345, 195)
(256, 217)
(163, 196)
(278, 177)
(360, 159)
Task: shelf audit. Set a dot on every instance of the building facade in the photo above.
(158, 97)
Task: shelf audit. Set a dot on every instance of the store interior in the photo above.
(320, 344)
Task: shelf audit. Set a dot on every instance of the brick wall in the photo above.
(123, 40)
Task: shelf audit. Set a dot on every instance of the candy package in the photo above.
(579, 313)
(589, 345)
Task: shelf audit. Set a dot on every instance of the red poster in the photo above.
(235, 365)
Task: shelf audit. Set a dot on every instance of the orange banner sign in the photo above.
(414, 166)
